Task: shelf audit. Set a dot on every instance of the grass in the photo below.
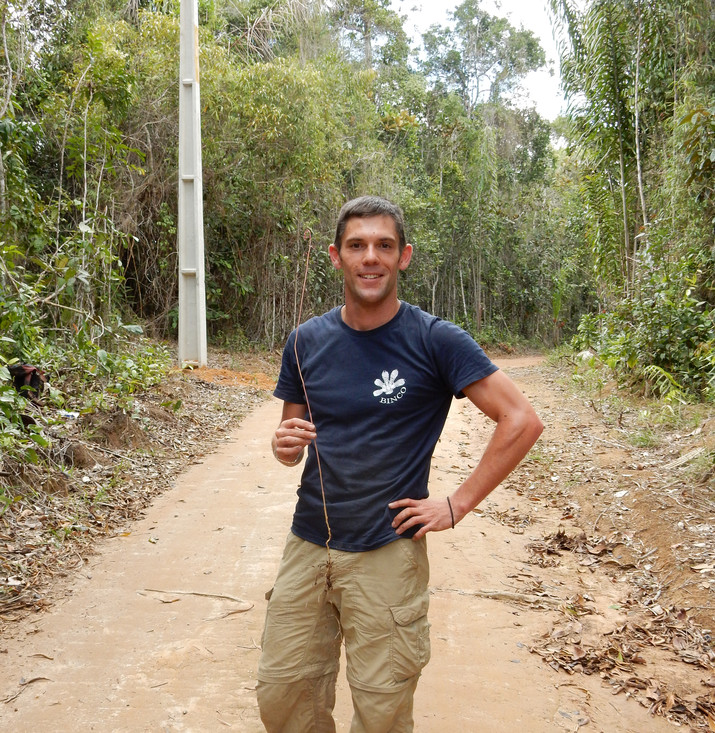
(644, 438)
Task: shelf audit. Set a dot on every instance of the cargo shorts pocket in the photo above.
(410, 645)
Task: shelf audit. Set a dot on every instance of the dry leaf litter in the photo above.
(103, 469)
(641, 520)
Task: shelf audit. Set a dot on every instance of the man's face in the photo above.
(370, 259)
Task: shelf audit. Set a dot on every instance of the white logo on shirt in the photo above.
(388, 385)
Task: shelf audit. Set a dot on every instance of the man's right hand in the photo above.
(291, 438)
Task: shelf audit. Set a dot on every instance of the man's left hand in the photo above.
(433, 514)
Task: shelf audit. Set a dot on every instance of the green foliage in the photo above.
(61, 278)
(663, 339)
(699, 149)
(130, 367)
(16, 440)
(663, 383)
(642, 133)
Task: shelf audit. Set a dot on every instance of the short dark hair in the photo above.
(365, 206)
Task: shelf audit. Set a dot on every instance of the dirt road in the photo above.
(161, 630)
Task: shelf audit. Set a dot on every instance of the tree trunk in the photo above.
(464, 298)
(3, 191)
(637, 138)
(478, 276)
(434, 291)
(367, 43)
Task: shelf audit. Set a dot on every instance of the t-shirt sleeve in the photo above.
(289, 387)
(458, 356)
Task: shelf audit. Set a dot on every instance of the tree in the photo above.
(482, 57)
(370, 26)
(598, 78)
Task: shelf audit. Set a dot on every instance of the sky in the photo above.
(541, 87)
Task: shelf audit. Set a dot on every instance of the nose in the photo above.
(370, 254)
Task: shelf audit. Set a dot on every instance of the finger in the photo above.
(403, 521)
(290, 449)
(399, 518)
(294, 437)
(299, 424)
(301, 437)
(402, 502)
(287, 427)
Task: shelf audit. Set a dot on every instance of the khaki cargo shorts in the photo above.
(376, 602)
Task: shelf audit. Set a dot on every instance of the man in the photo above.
(376, 377)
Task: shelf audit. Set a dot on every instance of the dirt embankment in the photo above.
(578, 596)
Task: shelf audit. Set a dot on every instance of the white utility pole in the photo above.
(190, 229)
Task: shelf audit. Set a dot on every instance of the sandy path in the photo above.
(116, 656)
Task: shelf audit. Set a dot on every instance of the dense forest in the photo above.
(596, 229)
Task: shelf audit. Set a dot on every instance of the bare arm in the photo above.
(517, 429)
(292, 435)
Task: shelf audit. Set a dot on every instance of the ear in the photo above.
(405, 257)
(335, 257)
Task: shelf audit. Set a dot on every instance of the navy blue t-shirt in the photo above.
(379, 400)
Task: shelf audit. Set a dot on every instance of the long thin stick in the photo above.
(248, 604)
(307, 234)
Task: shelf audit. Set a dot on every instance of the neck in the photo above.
(367, 319)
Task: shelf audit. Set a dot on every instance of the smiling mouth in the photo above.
(370, 277)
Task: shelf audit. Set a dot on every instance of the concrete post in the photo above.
(190, 229)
